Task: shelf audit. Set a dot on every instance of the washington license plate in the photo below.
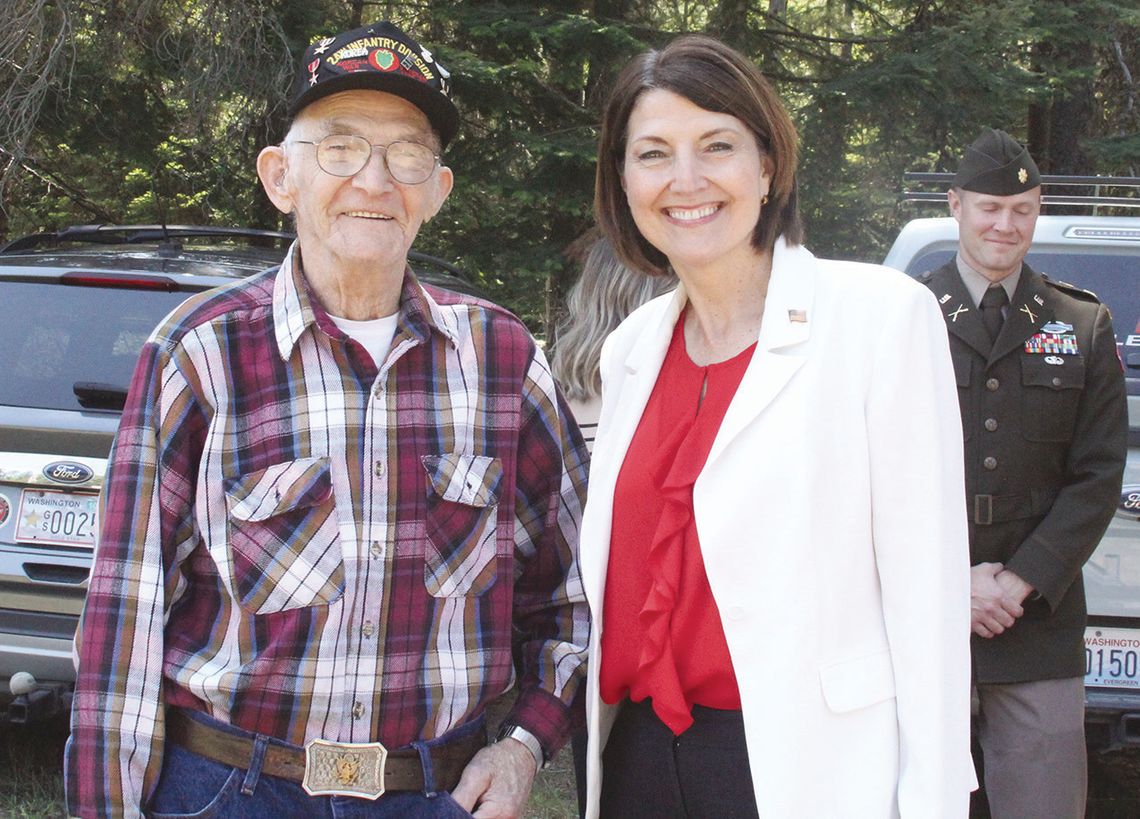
(1112, 657)
(57, 518)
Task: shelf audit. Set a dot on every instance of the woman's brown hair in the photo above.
(716, 78)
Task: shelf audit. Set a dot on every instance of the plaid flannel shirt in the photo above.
(305, 545)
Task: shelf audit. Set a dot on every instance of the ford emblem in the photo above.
(68, 472)
(1129, 502)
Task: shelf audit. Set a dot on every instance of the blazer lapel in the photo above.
(642, 364)
(963, 318)
(1029, 310)
(788, 313)
(627, 395)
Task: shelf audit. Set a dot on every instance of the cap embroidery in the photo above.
(368, 47)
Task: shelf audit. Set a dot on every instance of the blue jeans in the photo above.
(193, 786)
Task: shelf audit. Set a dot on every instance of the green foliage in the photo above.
(160, 107)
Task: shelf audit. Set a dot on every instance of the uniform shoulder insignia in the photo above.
(1071, 289)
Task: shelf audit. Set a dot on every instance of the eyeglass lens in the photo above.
(345, 155)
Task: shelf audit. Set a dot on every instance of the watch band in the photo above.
(526, 738)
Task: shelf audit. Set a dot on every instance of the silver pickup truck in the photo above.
(1101, 254)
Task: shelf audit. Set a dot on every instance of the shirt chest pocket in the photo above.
(285, 550)
(461, 525)
(1051, 392)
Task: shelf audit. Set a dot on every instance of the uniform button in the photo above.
(1056, 381)
(990, 463)
(358, 710)
(379, 469)
(367, 628)
(992, 384)
(991, 424)
(376, 549)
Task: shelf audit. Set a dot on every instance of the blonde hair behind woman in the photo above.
(605, 293)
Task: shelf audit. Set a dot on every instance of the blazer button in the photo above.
(992, 384)
(991, 424)
(990, 463)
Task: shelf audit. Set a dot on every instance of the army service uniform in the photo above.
(1045, 423)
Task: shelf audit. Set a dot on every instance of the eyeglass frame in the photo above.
(437, 159)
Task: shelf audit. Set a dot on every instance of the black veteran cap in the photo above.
(379, 57)
(997, 164)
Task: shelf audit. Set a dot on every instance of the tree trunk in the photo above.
(728, 21)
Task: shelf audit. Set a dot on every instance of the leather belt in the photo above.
(990, 509)
(329, 768)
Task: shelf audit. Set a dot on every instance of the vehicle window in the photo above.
(53, 335)
(1115, 279)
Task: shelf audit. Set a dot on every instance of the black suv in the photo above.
(75, 308)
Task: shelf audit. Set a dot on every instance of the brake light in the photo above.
(140, 282)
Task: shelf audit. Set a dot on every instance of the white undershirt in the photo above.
(375, 335)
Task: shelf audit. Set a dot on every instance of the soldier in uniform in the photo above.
(1045, 425)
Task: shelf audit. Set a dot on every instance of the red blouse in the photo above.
(663, 636)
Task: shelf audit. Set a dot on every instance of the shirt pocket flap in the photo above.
(267, 492)
(473, 480)
(858, 682)
(1037, 371)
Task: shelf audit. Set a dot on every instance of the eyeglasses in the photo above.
(410, 163)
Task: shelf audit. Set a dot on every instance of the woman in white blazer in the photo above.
(774, 546)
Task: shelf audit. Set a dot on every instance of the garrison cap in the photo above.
(380, 57)
(997, 164)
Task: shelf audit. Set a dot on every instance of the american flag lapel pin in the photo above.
(797, 316)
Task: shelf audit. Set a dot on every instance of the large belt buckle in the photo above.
(344, 769)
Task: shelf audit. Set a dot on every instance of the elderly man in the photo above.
(342, 508)
(1045, 423)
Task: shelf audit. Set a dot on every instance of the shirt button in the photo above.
(379, 469)
(990, 463)
(992, 384)
(376, 549)
(378, 391)
(367, 628)
(991, 424)
(358, 710)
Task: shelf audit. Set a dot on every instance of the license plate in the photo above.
(57, 518)
(1112, 657)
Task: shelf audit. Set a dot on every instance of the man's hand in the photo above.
(497, 781)
(1015, 588)
(993, 608)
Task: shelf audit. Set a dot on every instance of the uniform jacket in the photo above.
(831, 522)
(1045, 423)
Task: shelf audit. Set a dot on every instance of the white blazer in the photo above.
(832, 521)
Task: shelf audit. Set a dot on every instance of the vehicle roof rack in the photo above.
(1096, 199)
(139, 234)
